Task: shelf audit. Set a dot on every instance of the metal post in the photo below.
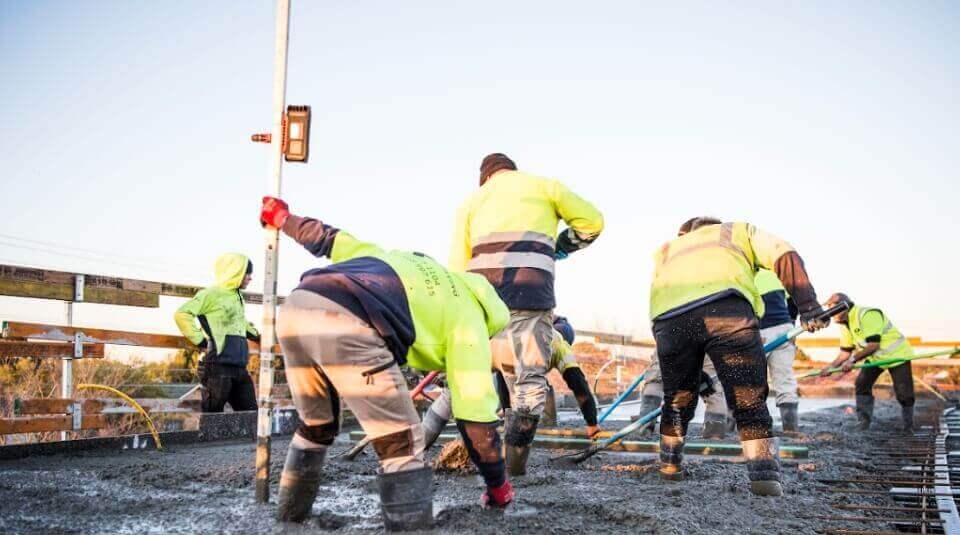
(66, 374)
(268, 337)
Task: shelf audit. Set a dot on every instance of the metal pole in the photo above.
(66, 373)
(268, 337)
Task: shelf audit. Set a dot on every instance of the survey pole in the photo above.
(268, 337)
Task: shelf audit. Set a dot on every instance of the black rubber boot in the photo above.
(864, 412)
(433, 425)
(763, 466)
(648, 404)
(520, 429)
(714, 426)
(906, 414)
(406, 499)
(299, 483)
(788, 417)
(671, 458)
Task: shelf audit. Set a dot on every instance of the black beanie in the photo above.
(493, 163)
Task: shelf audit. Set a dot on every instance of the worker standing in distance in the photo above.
(703, 300)
(507, 232)
(347, 328)
(651, 396)
(215, 321)
(778, 318)
(866, 334)
(562, 359)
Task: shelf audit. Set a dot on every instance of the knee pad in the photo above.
(321, 434)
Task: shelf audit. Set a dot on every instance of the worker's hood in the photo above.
(496, 313)
(230, 269)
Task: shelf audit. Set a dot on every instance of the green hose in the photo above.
(884, 362)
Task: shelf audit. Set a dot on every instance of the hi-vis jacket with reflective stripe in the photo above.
(862, 323)
(713, 260)
(507, 231)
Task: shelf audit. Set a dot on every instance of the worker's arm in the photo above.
(315, 236)
(253, 334)
(777, 255)
(577, 383)
(584, 220)
(460, 249)
(186, 318)
(842, 357)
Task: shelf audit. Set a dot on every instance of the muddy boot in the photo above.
(519, 430)
(788, 417)
(714, 426)
(433, 425)
(299, 481)
(406, 499)
(906, 414)
(671, 458)
(763, 466)
(864, 412)
(648, 404)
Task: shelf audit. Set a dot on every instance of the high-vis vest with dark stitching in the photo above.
(893, 344)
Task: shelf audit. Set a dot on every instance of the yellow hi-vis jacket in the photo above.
(863, 323)
(711, 260)
(507, 231)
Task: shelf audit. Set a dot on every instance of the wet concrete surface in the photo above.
(209, 488)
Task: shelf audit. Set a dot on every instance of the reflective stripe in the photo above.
(511, 260)
(886, 329)
(893, 346)
(506, 237)
(725, 240)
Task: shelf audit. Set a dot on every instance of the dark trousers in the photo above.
(224, 384)
(902, 382)
(728, 331)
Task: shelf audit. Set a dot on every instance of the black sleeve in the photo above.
(503, 391)
(569, 241)
(873, 339)
(581, 390)
(483, 446)
(313, 235)
(793, 274)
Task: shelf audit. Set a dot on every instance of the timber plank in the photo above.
(42, 424)
(54, 406)
(91, 294)
(22, 349)
(39, 331)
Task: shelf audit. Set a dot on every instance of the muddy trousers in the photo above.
(728, 331)
(902, 376)
(224, 384)
(329, 355)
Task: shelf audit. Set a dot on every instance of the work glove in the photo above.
(255, 338)
(825, 372)
(848, 365)
(593, 430)
(274, 212)
(706, 385)
(497, 497)
(202, 346)
(810, 320)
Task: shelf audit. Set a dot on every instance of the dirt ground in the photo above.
(209, 488)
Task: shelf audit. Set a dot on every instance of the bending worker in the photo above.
(778, 318)
(704, 300)
(867, 334)
(222, 336)
(562, 359)
(346, 329)
(715, 418)
(507, 232)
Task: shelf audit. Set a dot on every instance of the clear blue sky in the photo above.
(125, 130)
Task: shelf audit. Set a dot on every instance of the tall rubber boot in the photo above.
(671, 458)
(299, 482)
(788, 417)
(648, 404)
(907, 414)
(714, 426)
(432, 425)
(520, 428)
(864, 412)
(406, 499)
(763, 466)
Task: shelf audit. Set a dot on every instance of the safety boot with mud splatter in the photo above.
(406, 499)
(519, 430)
(300, 480)
(788, 417)
(648, 404)
(906, 413)
(714, 426)
(864, 412)
(671, 458)
(763, 466)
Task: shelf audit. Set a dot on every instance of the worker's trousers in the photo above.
(327, 350)
(521, 352)
(715, 403)
(728, 331)
(780, 364)
(902, 376)
(224, 383)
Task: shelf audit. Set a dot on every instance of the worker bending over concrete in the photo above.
(347, 328)
(778, 318)
(507, 232)
(562, 359)
(866, 334)
(704, 300)
(215, 321)
(715, 418)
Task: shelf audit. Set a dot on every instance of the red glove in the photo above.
(274, 212)
(497, 497)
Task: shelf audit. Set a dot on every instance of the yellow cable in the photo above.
(930, 388)
(130, 400)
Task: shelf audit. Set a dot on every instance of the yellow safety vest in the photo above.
(767, 281)
(893, 344)
(710, 260)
